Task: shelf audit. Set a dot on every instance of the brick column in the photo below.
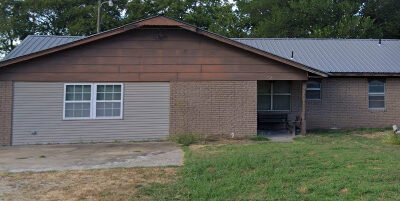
(6, 102)
(303, 108)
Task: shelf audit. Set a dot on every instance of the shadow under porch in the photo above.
(280, 107)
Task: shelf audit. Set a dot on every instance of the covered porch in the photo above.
(281, 107)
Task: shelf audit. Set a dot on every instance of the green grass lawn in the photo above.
(353, 165)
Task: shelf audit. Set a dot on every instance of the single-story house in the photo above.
(159, 76)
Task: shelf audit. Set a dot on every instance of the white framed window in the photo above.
(313, 91)
(108, 101)
(376, 94)
(93, 101)
(77, 101)
(273, 95)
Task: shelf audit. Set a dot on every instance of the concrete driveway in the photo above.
(39, 158)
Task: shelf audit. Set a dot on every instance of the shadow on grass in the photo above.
(341, 132)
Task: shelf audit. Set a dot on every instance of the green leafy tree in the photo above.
(239, 18)
(72, 17)
(15, 24)
(55, 17)
(386, 15)
(213, 15)
(306, 18)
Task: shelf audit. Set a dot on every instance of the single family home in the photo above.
(159, 76)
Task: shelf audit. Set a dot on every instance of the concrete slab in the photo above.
(39, 158)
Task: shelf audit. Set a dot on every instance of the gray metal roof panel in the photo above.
(335, 55)
(327, 55)
(36, 43)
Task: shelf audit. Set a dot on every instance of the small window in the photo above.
(93, 101)
(376, 94)
(108, 100)
(313, 91)
(273, 96)
(77, 101)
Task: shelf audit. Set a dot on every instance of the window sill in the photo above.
(276, 111)
(91, 119)
(377, 109)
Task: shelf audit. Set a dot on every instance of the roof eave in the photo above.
(365, 74)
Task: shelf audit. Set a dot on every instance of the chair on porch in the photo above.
(278, 122)
(268, 121)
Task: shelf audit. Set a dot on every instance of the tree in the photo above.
(53, 17)
(386, 15)
(15, 24)
(72, 17)
(213, 15)
(306, 18)
(240, 18)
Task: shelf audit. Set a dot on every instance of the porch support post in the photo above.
(303, 107)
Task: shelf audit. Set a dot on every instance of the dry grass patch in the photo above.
(373, 135)
(302, 189)
(343, 191)
(105, 184)
(212, 147)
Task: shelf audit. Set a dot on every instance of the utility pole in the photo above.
(99, 4)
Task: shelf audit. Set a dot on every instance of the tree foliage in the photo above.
(307, 18)
(236, 18)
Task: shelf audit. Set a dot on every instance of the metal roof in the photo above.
(327, 55)
(335, 55)
(36, 43)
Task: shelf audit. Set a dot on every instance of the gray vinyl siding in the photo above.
(38, 106)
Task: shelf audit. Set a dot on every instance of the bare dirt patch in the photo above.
(42, 158)
(104, 184)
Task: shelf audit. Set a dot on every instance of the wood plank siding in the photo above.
(38, 115)
(152, 54)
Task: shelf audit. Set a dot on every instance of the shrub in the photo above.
(185, 139)
(392, 138)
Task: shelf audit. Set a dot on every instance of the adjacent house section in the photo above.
(354, 103)
(55, 112)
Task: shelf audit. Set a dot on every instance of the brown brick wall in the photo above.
(344, 104)
(6, 89)
(295, 100)
(214, 108)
